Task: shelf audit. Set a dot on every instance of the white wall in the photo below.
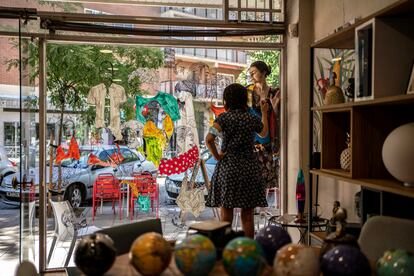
(297, 78)
(330, 14)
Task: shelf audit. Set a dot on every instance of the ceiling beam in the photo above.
(159, 21)
(214, 4)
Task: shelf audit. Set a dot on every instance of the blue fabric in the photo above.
(259, 139)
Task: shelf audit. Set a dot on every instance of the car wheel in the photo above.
(74, 195)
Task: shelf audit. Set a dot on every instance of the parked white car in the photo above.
(78, 177)
(6, 165)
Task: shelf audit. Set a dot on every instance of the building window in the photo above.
(11, 133)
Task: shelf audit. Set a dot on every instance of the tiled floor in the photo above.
(173, 229)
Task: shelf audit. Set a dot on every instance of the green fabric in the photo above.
(167, 102)
(144, 203)
(154, 150)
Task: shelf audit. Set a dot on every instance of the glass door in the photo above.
(28, 171)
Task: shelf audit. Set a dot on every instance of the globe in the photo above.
(95, 254)
(150, 254)
(396, 262)
(271, 238)
(296, 260)
(195, 255)
(345, 260)
(243, 256)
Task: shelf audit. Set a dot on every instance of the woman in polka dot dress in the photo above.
(237, 180)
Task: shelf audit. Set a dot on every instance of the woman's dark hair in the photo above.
(262, 67)
(235, 97)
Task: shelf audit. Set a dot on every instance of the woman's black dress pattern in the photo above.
(237, 180)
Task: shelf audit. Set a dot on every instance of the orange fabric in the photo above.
(117, 157)
(74, 149)
(60, 154)
(217, 110)
(94, 160)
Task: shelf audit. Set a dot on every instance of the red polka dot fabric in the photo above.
(179, 164)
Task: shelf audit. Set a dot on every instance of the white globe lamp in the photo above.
(398, 154)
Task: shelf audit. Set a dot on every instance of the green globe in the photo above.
(243, 256)
(396, 262)
(195, 255)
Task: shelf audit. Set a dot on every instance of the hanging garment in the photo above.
(117, 96)
(73, 151)
(167, 102)
(151, 131)
(168, 126)
(186, 126)
(154, 150)
(135, 132)
(179, 164)
(217, 110)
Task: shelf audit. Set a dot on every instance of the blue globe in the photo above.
(272, 238)
(345, 260)
(195, 255)
(243, 256)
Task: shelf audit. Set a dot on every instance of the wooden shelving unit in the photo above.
(393, 100)
(386, 185)
(368, 122)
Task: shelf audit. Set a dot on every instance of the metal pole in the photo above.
(42, 155)
(226, 10)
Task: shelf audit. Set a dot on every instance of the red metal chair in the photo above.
(146, 185)
(106, 188)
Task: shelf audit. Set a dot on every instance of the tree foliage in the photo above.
(271, 58)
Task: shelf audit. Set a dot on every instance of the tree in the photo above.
(271, 58)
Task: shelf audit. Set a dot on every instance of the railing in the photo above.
(203, 91)
(12, 151)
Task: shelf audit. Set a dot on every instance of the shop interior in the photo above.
(107, 112)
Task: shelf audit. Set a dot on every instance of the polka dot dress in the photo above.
(237, 180)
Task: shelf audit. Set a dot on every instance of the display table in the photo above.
(288, 220)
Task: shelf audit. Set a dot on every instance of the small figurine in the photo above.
(336, 229)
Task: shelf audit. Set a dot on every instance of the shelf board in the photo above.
(398, 99)
(386, 185)
(339, 172)
(344, 39)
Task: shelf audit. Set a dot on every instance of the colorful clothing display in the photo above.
(217, 110)
(168, 104)
(117, 96)
(267, 148)
(151, 131)
(154, 148)
(237, 181)
(186, 126)
(168, 126)
(73, 151)
(181, 163)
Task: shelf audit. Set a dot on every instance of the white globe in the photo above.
(398, 154)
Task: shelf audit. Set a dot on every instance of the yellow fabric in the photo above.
(154, 150)
(168, 126)
(151, 131)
